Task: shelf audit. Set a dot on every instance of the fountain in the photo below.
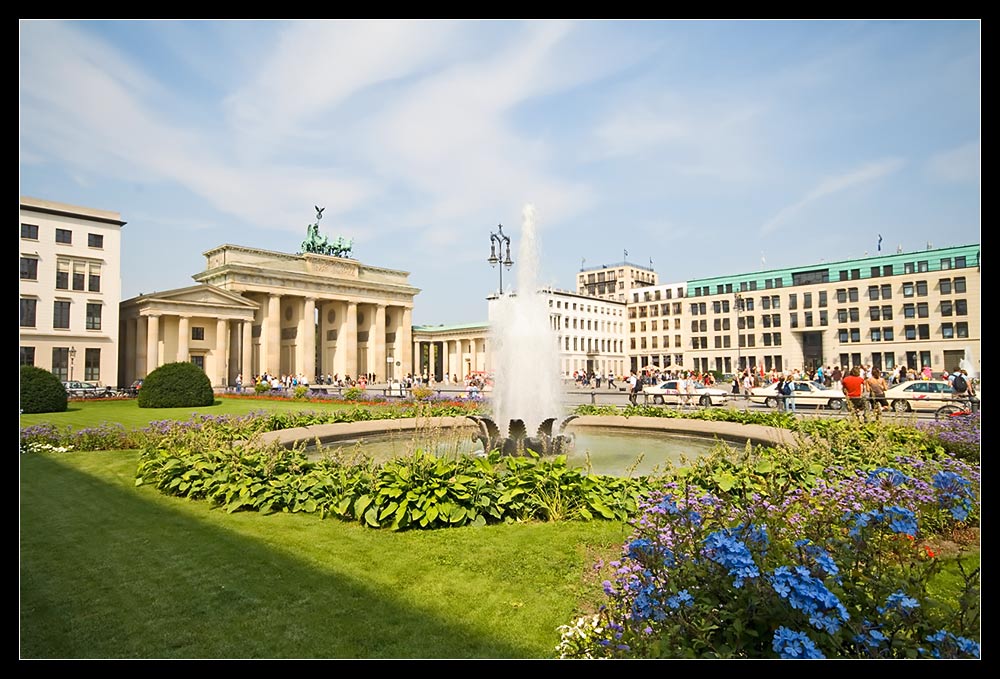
(527, 392)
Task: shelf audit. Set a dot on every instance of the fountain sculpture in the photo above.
(527, 391)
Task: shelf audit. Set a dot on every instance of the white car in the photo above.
(919, 395)
(806, 394)
(667, 392)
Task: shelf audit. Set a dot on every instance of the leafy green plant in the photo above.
(353, 394)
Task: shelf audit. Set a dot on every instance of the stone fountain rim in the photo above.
(731, 432)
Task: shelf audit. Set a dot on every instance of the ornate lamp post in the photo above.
(500, 240)
(72, 360)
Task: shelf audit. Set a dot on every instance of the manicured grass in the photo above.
(109, 570)
(92, 412)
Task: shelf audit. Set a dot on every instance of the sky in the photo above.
(705, 148)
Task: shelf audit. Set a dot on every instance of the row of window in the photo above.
(597, 309)
(654, 342)
(591, 344)
(30, 232)
(910, 332)
(70, 274)
(64, 362)
(60, 314)
(654, 310)
(823, 276)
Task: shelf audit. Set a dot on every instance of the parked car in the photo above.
(919, 395)
(667, 392)
(77, 389)
(807, 393)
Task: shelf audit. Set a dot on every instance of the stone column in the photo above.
(350, 339)
(141, 348)
(152, 344)
(221, 352)
(270, 337)
(379, 343)
(405, 341)
(183, 339)
(305, 341)
(246, 353)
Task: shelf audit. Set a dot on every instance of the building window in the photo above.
(923, 310)
(945, 263)
(887, 313)
(62, 276)
(855, 335)
(960, 262)
(910, 332)
(793, 301)
(874, 313)
(908, 267)
(822, 298)
(876, 335)
(948, 330)
(29, 269)
(842, 315)
(94, 280)
(842, 335)
(907, 289)
(961, 307)
(959, 284)
(79, 276)
(887, 334)
(824, 319)
(60, 362)
(946, 308)
(93, 316)
(64, 236)
(924, 331)
(809, 319)
(29, 232)
(945, 286)
(27, 355)
(922, 266)
(852, 294)
(842, 296)
(962, 329)
(854, 314)
(92, 365)
(60, 315)
(909, 311)
(922, 288)
(29, 308)
(95, 240)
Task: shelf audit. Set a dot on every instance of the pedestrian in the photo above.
(611, 379)
(239, 383)
(854, 389)
(634, 387)
(876, 390)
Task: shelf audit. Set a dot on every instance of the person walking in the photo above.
(634, 387)
(854, 389)
(876, 390)
(611, 379)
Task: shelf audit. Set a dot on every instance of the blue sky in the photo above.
(709, 147)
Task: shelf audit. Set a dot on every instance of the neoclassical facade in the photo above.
(257, 311)
(454, 350)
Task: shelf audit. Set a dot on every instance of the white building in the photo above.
(70, 289)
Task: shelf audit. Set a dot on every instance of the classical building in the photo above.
(70, 288)
(257, 311)
(614, 281)
(458, 351)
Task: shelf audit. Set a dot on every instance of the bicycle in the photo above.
(969, 405)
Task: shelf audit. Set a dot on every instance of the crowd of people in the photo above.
(472, 383)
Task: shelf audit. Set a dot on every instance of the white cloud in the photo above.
(863, 175)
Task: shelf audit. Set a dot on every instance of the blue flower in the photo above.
(893, 476)
(791, 645)
(902, 520)
(809, 595)
(682, 598)
(898, 601)
(732, 554)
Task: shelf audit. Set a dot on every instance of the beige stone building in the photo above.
(614, 281)
(70, 287)
(656, 330)
(257, 311)
(455, 351)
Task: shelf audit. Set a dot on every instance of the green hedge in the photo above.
(41, 391)
(176, 385)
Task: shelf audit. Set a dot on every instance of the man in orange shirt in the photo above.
(854, 389)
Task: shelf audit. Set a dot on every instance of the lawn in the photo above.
(109, 570)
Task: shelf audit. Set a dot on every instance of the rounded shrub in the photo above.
(41, 391)
(176, 385)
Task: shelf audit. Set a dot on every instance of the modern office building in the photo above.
(913, 308)
(614, 281)
(70, 289)
(656, 332)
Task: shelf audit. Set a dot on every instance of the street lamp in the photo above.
(500, 240)
(72, 360)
